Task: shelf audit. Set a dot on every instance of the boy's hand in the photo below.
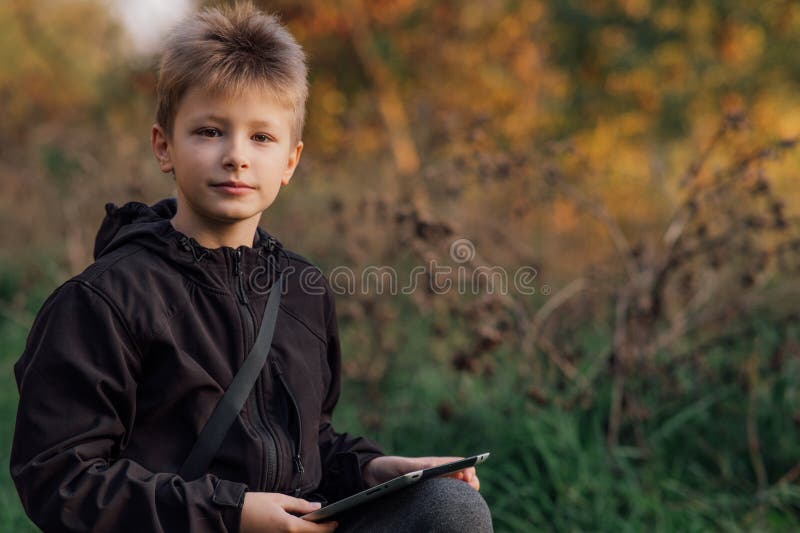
(270, 511)
(384, 468)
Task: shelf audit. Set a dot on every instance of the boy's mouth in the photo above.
(233, 185)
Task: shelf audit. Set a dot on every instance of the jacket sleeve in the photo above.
(343, 455)
(77, 382)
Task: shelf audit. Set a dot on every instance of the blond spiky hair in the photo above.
(227, 51)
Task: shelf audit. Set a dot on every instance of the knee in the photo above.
(447, 505)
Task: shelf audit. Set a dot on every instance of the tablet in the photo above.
(329, 511)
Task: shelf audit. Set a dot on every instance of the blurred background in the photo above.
(637, 160)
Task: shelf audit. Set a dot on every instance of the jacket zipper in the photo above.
(298, 463)
(271, 450)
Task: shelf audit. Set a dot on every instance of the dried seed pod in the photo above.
(761, 187)
(445, 411)
(540, 397)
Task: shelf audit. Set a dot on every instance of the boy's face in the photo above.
(230, 156)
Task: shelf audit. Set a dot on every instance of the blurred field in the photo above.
(638, 157)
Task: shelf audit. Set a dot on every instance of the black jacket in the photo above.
(126, 361)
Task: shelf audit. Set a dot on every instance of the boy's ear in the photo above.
(160, 141)
(294, 158)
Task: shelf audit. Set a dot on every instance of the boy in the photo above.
(126, 361)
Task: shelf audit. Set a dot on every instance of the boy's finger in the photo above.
(465, 475)
(297, 505)
(304, 526)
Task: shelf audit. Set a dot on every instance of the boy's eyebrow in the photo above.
(261, 123)
(252, 123)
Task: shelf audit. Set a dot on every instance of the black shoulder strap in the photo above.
(228, 408)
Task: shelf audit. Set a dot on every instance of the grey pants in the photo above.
(441, 505)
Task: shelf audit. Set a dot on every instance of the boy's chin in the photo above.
(225, 215)
(236, 217)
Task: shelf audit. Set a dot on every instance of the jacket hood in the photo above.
(150, 227)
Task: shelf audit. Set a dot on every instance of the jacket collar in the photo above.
(151, 228)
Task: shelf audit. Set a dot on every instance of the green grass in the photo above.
(685, 468)
(12, 342)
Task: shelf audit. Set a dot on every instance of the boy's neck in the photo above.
(215, 235)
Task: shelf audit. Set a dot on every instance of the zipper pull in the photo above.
(237, 270)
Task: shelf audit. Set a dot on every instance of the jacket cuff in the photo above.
(363, 459)
(229, 495)
(347, 468)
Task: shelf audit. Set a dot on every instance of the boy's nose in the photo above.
(234, 158)
(234, 162)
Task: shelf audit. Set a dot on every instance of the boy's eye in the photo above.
(209, 132)
(261, 137)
